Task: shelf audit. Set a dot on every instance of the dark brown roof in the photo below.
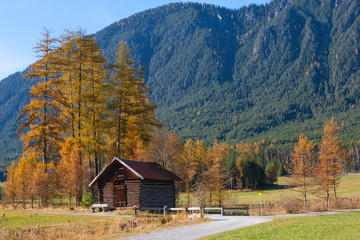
(151, 170)
(144, 170)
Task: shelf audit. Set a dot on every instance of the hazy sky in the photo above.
(21, 22)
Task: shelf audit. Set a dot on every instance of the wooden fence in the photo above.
(200, 210)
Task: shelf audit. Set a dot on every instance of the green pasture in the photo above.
(349, 187)
(336, 226)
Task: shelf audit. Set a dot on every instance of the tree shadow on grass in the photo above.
(276, 187)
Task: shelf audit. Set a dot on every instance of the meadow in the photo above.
(53, 226)
(349, 187)
(283, 198)
(336, 226)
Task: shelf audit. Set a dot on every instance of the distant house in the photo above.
(127, 183)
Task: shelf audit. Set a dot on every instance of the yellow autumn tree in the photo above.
(71, 171)
(11, 183)
(40, 115)
(128, 102)
(301, 167)
(187, 166)
(203, 179)
(331, 159)
(24, 174)
(165, 148)
(217, 168)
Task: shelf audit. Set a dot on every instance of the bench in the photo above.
(101, 207)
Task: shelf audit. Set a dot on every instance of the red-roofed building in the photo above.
(127, 183)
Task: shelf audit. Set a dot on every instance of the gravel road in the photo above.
(221, 224)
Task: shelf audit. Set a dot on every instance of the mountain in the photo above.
(259, 72)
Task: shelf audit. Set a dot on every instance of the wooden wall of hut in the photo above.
(133, 193)
(157, 194)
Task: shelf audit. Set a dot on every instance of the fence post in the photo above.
(135, 214)
(165, 211)
(186, 212)
(222, 211)
(246, 210)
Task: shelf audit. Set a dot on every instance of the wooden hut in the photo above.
(127, 183)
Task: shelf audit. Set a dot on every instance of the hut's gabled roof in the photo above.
(144, 170)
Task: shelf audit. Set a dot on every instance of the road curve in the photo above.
(220, 224)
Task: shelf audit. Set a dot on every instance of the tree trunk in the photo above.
(210, 198)
(327, 200)
(188, 194)
(305, 192)
(219, 197)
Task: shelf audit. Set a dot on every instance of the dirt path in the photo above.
(220, 224)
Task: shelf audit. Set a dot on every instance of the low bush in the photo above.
(88, 199)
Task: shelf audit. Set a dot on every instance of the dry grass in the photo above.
(41, 226)
(295, 205)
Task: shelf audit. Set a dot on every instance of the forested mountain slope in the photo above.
(258, 72)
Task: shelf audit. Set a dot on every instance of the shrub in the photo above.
(88, 199)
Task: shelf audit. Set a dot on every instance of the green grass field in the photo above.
(337, 226)
(349, 187)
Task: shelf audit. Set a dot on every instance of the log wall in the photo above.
(140, 193)
(108, 194)
(157, 194)
(133, 193)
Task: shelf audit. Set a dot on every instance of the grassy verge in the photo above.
(46, 226)
(337, 226)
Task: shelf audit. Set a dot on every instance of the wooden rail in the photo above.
(165, 210)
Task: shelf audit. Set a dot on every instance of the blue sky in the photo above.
(21, 22)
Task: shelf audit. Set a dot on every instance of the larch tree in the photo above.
(217, 169)
(128, 100)
(331, 158)
(39, 116)
(187, 166)
(66, 87)
(301, 167)
(24, 175)
(38, 184)
(203, 178)
(71, 171)
(11, 183)
(165, 148)
(95, 99)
